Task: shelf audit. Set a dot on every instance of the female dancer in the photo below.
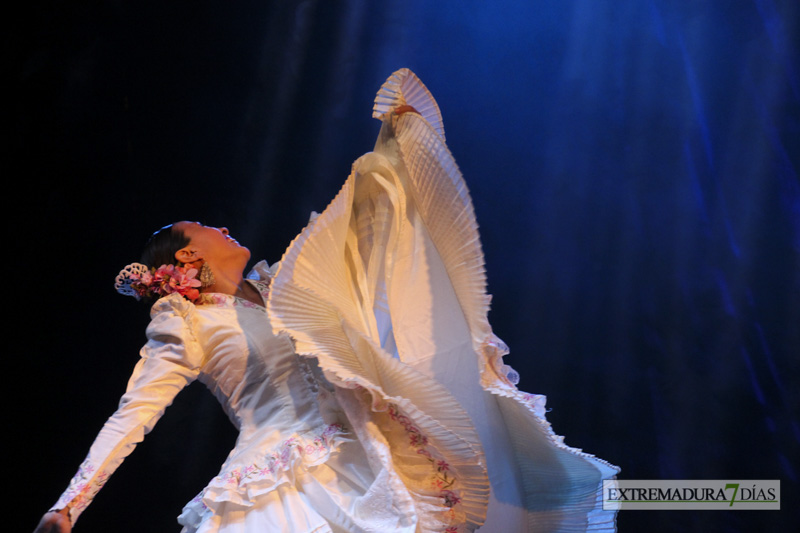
(361, 371)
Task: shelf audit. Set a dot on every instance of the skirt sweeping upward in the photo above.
(386, 290)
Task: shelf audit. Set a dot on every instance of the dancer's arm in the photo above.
(170, 360)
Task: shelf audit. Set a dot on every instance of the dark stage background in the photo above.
(633, 167)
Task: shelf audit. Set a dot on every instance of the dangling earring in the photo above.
(206, 276)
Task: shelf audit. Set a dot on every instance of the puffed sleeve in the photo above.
(170, 360)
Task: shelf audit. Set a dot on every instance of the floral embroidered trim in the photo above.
(225, 300)
(442, 478)
(310, 450)
(217, 299)
(199, 500)
(83, 487)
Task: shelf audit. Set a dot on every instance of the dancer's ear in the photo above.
(188, 255)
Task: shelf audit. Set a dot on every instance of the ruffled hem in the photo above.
(502, 380)
(241, 486)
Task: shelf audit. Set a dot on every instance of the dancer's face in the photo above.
(214, 245)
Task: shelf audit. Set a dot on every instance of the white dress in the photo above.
(370, 393)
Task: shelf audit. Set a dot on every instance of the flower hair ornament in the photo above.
(141, 281)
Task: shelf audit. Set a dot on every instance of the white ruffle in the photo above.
(242, 485)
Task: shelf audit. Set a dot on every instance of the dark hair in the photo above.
(162, 245)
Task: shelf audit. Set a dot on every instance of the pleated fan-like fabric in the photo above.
(386, 289)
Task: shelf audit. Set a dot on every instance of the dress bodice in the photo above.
(258, 378)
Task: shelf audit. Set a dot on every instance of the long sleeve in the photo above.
(170, 360)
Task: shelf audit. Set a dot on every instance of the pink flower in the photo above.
(450, 498)
(332, 429)
(418, 439)
(163, 273)
(167, 279)
(182, 280)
